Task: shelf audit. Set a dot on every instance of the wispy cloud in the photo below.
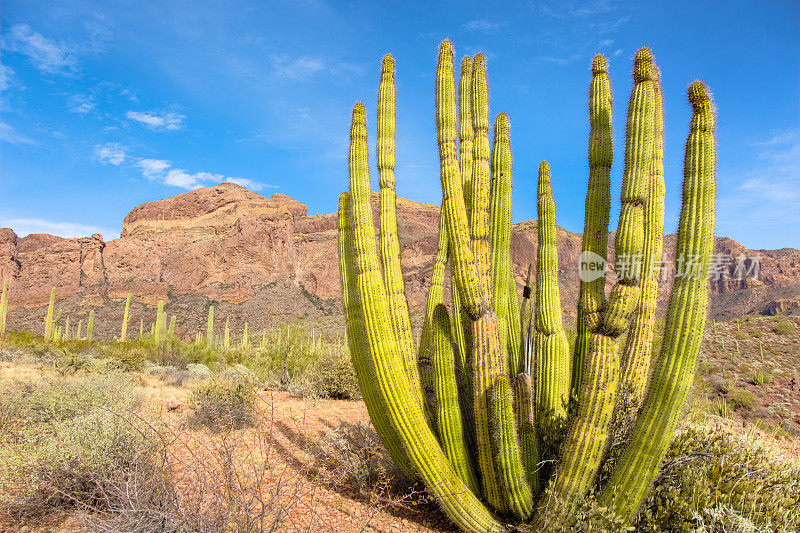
(769, 196)
(303, 68)
(606, 42)
(68, 230)
(578, 9)
(81, 104)
(559, 60)
(481, 25)
(162, 171)
(111, 153)
(156, 121)
(46, 55)
(10, 135)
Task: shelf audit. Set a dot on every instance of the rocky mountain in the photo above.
(265, 260)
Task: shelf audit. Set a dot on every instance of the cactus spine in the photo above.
(477, 449)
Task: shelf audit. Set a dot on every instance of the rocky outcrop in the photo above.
(262, 259)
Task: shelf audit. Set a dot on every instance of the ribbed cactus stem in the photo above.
(507, 454)
(635, 359)
(3, 310)
(390, 244)
(48, 319)
(448, 411)
(674, 369)
(435, 298)
(550, 340)
(125, 319)
(584, 444)
(90, 327)
(591, 298)
(526, 428)
(500, 237)
(160, 330)
(404, 412)
(226, 339)
(210, 325)
(481, 176)
(171, 329)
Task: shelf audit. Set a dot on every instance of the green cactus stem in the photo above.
(635, 359)
(585, 441)
(591, 298)
(160, 329)
(226, 338)
(550, 340)
(390, 244)
(405, 414)
(90, 327)
(3, 310)
(448, 411)
(125, 319)
(673, 371)
(48, 319)
(171, 329)
(526, 428)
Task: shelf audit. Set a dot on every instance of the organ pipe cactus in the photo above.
(3, 310)
(495, 397)
(125, 319)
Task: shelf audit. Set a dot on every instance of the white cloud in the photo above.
(161, 171)
(69, 230)
(481, 25)
(166, 121)
(10, 135)
(113, 153)
(8, 78)
(606, 42)
(617, 52)
(46, 55)
(764, 209)
(302, 68)
(81, 104)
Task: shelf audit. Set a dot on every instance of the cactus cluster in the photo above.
(502, 423)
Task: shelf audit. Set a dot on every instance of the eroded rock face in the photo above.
(231, 246)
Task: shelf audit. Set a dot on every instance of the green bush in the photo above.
(227, 401)
(784, 327)
(742, 399)
(707, 468)
(332, 376)
(67, 444)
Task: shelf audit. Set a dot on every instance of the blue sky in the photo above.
(105, 105)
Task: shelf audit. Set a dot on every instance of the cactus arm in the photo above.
(125, 318)
(635, 359)
(209, 325)
(48, 319)
(90, 326)
(673, 370)
(507, 453)
(171, 329)
(435, 298)
(390, 244)
(465, 131)
(515, 360)
(550, 340)
(3, 310)
(526, 428)
(582, 450)
(406, 415)
(357, 342)
(448, 412)
(591, 298)
(481, 176)
(500, 236)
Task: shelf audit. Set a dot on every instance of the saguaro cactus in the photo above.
(477, 445)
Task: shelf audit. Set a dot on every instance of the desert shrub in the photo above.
(742, 399)
(332, 376)
(353, 456)
(784, 327)
(707, 468)
(757, 333)
(64, 442)
(761, 378)
(227, 401)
